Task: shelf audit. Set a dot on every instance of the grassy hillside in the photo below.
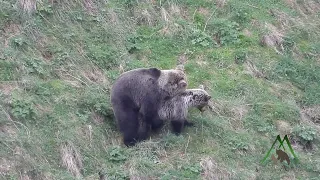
(259, 60)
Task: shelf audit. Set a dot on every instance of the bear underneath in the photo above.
(176, 109)
(138, 93)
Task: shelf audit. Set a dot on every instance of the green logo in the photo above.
(282, 155)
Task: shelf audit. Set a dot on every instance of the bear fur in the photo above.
(176, 109)
(139, 92)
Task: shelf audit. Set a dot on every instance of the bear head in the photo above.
(173, 81)
(199, 98)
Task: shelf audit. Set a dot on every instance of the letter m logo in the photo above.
(285, 139)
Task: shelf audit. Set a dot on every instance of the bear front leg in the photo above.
(128, 123)
(156, 123)
(177, 126)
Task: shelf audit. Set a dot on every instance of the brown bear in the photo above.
(176, 109)
(139, 92)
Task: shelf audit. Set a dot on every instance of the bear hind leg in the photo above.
(128, 123)
(150, 115)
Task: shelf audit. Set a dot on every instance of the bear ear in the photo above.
(155, 72)
(180, 67)
(201, 86)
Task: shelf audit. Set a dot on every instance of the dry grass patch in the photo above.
(253, 70)
(85, 132)
(221, 3)
(94, 75)
(285, 21)
(310, 6)
(285, 90)
(113, 17)
(304, 7)
(28, 6)
(97, 118)
(145, 14)
(204, 11)
(90, 7)
(71, 159)
(43, 109)
(283, 128)
(142, 178)
(219, 108)
(311, 116)
(30, 175)
(42, 45)
(6, 166)
(273, 39)
(312, 113)
(182, 59)
(246, 32)
(214, 171)
(8, 131)
(166, 17)
(200, 60)
(175, 10)
(9, 31)
(7, 88)
(238, 113)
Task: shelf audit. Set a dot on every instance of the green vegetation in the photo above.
(259, 60)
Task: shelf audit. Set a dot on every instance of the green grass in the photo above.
(58, 64)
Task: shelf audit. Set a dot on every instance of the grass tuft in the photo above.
(71, 159)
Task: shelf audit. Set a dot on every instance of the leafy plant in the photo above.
(19, 41)
(195, 168)
(288, 45)
(240, 56)
(305, 134)
(102, 55)
(116, 154)
(301, 74)
(44, 7)
(8, 70)
(133, 41)
(239, 145)
(35, 66)
(23, 109)
(241, 16)
(119, 174)
(199, 20)
(201, 38)
(225, 32)
(96, 102)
